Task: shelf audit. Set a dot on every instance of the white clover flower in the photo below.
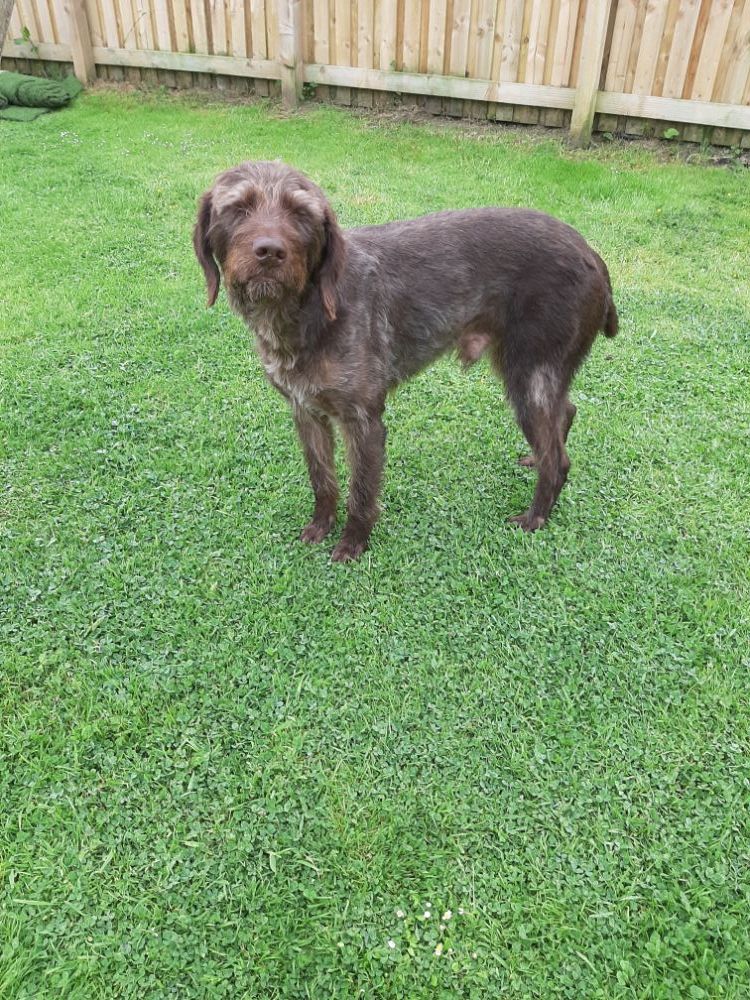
(391, 943)
(439, 949)
(400, 914)
(426, 914)
(473, 954)
(442, 927)
(447, 915)
(461, 911)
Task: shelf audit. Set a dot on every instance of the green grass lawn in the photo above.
(230, 768)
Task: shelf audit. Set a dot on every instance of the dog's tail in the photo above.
(611, 322)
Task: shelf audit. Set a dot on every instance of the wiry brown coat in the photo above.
(342, 317)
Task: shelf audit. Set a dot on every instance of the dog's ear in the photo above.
(203, 249)
(332, 263)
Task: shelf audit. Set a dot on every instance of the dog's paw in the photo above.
(348, 549)
(316, 531)
(527, 521)
(528, 461)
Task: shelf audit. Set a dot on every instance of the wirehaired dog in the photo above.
(342, 316)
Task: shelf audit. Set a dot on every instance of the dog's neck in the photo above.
(277, 333)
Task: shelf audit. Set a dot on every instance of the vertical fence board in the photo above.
(436, 36)
(653, 30)
(180, 22)
(459, 31)
(484, 39)
(562, 56)
(511, 40)
(200, 25)
(738, 59)
(388, 33)
(412, 36)
(682, 41)
(321, 46)
(365, 42)
(217, 18)
(536, 52)
(44, 20)
(665, 47)
(238, 29)
(711, 50)
(619, 52)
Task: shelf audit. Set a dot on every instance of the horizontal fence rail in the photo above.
(683, 61)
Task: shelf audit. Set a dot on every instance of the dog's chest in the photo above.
(299, 386)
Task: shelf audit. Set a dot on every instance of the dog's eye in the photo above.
(303, 203)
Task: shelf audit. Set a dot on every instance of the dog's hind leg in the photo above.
(567, 415)
(544, 415)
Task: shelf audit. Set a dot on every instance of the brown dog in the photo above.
(342, 317)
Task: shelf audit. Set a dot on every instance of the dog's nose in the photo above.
(269, 249)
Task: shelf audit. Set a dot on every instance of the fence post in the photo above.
(80, 41)
(589, 70)
(290, 51)
(6, 9)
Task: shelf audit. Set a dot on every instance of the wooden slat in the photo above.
(10, 24)
(185, 62)
(712, 50)
(342, 32)
(29, 21)
(635, 45)
(163, 35)
(44, 20)
(272, 29)
(484, 39)
(13, 31)
(258, 23)
(682, 41)
(143, 32)
(665, 47)
(437, 85)
(322, 44)
(96, 22)
(388, 33)
(734, 87)
(6, 19)
(674, 110)
(217, 15)
(365, 33)
(511, 35)
(238, 39)
(554, 27)
(653, 30)
(524, 50)
(589, 71)
(459, 29)
(696, 49)
(622, 35)
(200, 27)
(536, 52)
(412, 35)
(80, 42)
(181, 30)
(436, 37)
(562, 55)
(126, 21)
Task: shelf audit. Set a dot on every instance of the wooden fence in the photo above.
(555, 61)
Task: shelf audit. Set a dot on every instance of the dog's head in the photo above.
(273, 234)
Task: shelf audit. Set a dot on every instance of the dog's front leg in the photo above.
(316, 436)
(365, 445)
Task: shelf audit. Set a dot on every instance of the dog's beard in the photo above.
(255, 294)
